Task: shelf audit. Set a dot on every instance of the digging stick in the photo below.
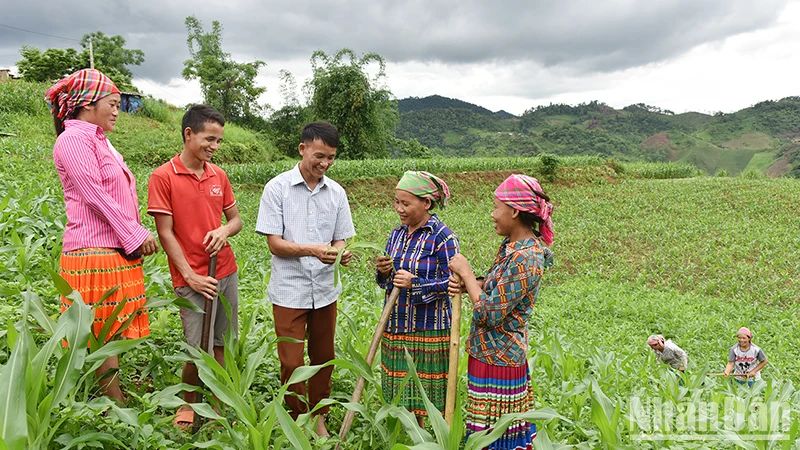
(373, 349)
(455, 351)
(205, 337)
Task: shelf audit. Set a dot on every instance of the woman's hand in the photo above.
(458, 264)
(402, 279)
(384, 265)
(149, 246)
(455, 286)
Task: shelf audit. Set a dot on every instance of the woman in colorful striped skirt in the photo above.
(419, 251)
(104, 239)
(499, 379)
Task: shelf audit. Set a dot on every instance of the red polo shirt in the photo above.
(196, 206)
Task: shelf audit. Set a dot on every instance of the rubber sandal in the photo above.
(184, 418)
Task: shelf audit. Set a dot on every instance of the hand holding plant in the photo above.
(384, 265)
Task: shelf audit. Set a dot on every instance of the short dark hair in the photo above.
(197, 116)
(323, 131)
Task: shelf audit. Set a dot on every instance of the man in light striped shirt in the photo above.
(306, 218)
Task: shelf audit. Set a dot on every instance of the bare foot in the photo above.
(321, 430)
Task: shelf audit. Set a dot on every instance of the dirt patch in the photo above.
(779, 168)
(464, 186)
(607, 110)
(657, 142)
(468, 187)
(593, 124)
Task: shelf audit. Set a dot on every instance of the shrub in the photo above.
(19, 97)
(616, 165)
(155, 109)
(549, 166)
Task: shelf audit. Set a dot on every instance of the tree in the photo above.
(52, 64)
(227, 85)
(110, 57)
(362, 109)
(286, 124)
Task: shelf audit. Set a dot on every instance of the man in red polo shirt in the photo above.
(187, 196)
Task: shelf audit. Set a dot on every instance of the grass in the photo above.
(752, 141)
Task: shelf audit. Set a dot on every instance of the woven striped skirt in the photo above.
(92, 272)
(493, 391)
(429, 350)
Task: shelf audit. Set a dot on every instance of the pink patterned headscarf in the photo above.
(519, 192)
(82, 88)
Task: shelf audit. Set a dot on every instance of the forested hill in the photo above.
(764, 137)
(438, 102)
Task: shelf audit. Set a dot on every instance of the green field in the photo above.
(640, 249)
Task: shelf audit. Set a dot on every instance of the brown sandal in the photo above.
(184, 418)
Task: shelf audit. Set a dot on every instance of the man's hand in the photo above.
(149, 246)
(327, 253)
(346, 256)
(402, 279)
(204, 285)
(215, 240)
(384, 265)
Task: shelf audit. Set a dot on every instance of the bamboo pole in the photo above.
(743, 375)
(455, 351)
(373, 349)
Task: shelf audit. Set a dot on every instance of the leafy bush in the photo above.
(549, 165)
(616, 165)
(156, 109)
(19, 97)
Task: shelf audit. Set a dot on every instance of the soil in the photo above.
(657, 142)
(780, 167)
(607, 111)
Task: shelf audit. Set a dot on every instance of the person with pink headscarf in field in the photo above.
(745, 358)
(499, 377)
(104, 240)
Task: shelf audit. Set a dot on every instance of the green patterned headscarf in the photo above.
(425, 185)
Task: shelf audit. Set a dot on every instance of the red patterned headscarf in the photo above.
(82, 88)
(520, 192)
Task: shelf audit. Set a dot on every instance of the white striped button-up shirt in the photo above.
(99, 191)
(303, 216)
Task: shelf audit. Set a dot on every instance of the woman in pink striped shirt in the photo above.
(104, 240)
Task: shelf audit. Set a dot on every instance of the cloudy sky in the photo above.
(682, 55)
